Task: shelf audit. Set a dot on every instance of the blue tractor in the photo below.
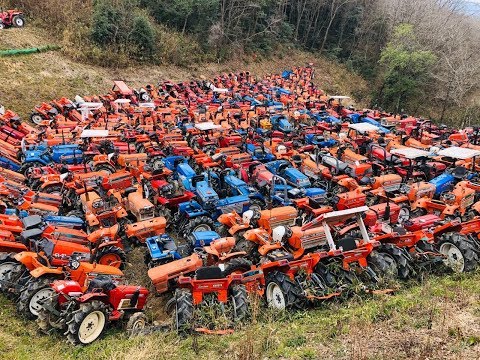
(319, 141)
(42, 155)
(298, 183)
(201, 215)
(281, 123)
(161, 250)
(259, 153)
(9, 164)
(357, 118)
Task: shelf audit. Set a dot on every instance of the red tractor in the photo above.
(11, 18)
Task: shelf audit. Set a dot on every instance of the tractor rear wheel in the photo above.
(13, 276)
(53, 189)
(88, 323)
(200, 223)
(7, 264)
(18, 21)
(283, 293)
(36, 118)
(249, 247)
(401, 257)
(183, 310)
(240, 302)
(222, 230)
(383, 265)
(256, 204)
(461, 254)
(105, 167)
(237, 265)
(2, 25)
(111, 255)
(75, 213)
(29, 302)
(25, 169)
(136, 323)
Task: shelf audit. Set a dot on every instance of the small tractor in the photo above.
(11, 18)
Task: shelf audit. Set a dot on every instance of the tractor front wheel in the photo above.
(7, 264)
(283, 293)
(183, 310)
(88, 323)
(240, 302)
(460, 254)
(401, 257)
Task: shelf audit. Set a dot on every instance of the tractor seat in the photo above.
(399, 230)
(130, 190)
(101, 282)
(347, 243)
(459, 172)
(33, 221)
(209, 272)
(169, 246)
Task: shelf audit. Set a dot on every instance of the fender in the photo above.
(265, 249)
(92, 220)
(26, 258)
(43, 270)
(121, 213)
(476, 207)
(93, 296)
(12, 246)
(238, 227)
(110, 243)
(52, 182)
(450, 210)
(232, 255)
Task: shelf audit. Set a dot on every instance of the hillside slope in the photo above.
(28, 80)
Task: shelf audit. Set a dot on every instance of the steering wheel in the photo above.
(200, 251)
(97, 204)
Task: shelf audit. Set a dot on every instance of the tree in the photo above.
(407, 70)
(143, 37)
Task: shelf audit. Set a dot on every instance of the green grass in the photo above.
(437, 318)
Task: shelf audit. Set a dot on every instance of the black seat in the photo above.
(400, 230)
(33, 221)
(101, 282)
(130, 190)
(209, 272)
(347, 243)
(459, 172)
(31, 234)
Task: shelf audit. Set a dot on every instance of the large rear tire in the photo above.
(111, 255)
(200, 223)
(29, 302)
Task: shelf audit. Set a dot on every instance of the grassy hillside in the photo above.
(437, 319)
(28, 80)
